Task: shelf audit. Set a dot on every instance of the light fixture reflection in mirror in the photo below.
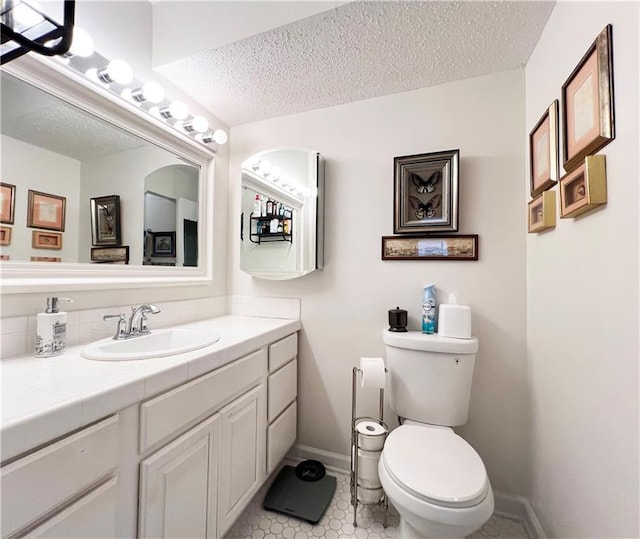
(282, 221)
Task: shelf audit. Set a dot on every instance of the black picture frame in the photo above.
(164, 244)
(425, 192)
(105, 221)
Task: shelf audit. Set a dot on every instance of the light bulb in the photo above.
(151, 91)
(81, 45)
(198, 123)
(220, 136)
(177, 110)
(286, 178)
(117, 71)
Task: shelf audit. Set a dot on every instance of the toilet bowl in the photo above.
(436, 481)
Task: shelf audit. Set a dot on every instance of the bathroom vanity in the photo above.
(164, 447)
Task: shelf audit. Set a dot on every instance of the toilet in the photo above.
(433, 477)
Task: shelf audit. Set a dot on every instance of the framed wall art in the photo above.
(46, 240)
(118, 255)
(105, 220)
(544, 151)
(430, 247)
(425, 193)
(164, 244)
(7, 203)
(46, 259)
(5, 235)
(587, 103)
(46, 211)
(542, 212)
(585, 188)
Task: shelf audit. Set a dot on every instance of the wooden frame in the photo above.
(46, 259)
(164, 244)
(425, 192)
(5, 235)
(46, 240)
(585, 188)
(587, 103)
(544, 151)
(46, 211)
(459, 247)
(7, 203)
(119, 254)
(105, 220)
(542, 212)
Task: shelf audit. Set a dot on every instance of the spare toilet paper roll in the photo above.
(371, 435)
(372, 372)
(368, 468)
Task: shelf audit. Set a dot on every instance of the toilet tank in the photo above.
(429, 377)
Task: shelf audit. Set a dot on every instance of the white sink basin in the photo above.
(159, 343)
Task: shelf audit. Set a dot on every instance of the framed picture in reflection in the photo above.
(105, 220)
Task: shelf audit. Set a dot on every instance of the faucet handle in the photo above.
(121, 330)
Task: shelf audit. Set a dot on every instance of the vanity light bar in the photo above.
(264, 170)
(117, 77)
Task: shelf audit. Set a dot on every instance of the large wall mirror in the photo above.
(97, 189)
(282, 200)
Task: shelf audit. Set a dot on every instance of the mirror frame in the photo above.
(60, 81)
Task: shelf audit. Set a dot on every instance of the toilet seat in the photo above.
(435, 465)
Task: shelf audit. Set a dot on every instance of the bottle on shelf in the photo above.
(257, 207)
(269, 207)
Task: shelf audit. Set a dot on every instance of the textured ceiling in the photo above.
(357, 51)
(37, 118)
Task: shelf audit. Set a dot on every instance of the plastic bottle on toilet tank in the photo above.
(429, 309)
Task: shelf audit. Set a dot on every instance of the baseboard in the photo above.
(511, 505)
(334, 462)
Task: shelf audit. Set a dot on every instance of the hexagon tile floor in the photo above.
(337, 522)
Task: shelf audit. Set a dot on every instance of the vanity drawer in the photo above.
(281, 435)
(282, 351)
(161, 416)
(282, 389)
(38, 483)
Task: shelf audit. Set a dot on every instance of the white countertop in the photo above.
(43, 398)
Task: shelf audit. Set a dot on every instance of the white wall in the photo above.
(582, 305)
(344, 306)
(30, 167)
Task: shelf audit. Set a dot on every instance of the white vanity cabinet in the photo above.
(282, 399)
(65, 489)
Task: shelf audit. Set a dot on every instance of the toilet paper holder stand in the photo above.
(356, 448)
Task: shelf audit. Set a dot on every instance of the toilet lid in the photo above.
(435, 465)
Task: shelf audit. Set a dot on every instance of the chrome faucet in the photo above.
(139, 327)
(137, 323)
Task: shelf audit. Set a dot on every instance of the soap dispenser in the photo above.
(51, 329)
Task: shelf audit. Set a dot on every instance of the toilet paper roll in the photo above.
(371, 435)
(372, 374)
(369, 495)
(368, 469)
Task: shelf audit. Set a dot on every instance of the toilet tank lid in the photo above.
(415, 340)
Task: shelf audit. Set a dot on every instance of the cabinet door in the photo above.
(178, 485)
(242, 455)
(92, 515)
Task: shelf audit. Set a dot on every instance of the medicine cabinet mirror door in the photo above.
(281, 214)
(65, 138)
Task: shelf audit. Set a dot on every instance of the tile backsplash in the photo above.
(18, 333)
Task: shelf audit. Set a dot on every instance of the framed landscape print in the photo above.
(544, 152)
(113, 255)
(459, 247)
(425, 193)
(587, 103)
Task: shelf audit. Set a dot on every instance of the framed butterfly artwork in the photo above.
(425, 192)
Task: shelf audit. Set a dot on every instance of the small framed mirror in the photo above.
(281, 214)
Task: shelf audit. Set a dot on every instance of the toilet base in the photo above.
(407, 531)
